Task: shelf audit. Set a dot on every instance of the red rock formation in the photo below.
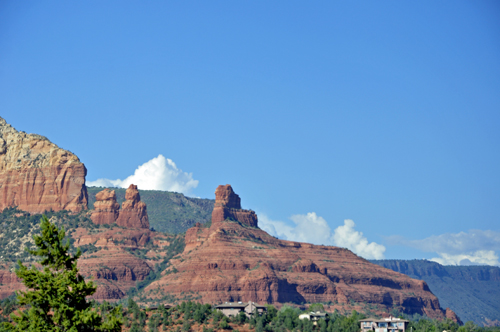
(114, 270)
(232, 262)
(36, 175)
(105, 207)
(450, 314)
(228, 206)
(133, 213)
(9, 282)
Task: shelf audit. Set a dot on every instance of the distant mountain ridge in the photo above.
(472, 292)
(168, 211)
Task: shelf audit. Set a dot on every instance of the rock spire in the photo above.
(106, 208)
(228, 206)
(133, 213)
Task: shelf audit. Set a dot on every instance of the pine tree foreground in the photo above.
(56, 296)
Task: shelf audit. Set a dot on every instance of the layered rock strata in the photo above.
(9, 282)
(133, 213)
(231, 262)
(36, 175)
(228, 206)
(106, 208)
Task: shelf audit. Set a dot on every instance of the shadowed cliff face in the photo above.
(235, 261)
(36, 175)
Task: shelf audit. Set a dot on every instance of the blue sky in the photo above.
(383, 113)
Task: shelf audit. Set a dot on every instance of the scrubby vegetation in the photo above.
(17, 229)
(168, 211)
(176, 247)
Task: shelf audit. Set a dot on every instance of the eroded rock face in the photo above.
(9, 282)
(133, 213)
(36, 175)
(228, 206)
(113, 267)
(231, 262)
(450, 314)
(106, 208)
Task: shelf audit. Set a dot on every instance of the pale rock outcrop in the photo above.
(36, 175)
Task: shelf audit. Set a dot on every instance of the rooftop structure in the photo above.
(234, 308)
(390, 324)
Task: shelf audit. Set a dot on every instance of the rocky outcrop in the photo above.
(36, 175)
(133, 213)
(233, 262)
(9, 282)
(123, 257)
(228, 206)
(106, 209)
(450, 314)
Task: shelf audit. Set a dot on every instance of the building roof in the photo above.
(239, 305)
(384, 320)
(231, 305)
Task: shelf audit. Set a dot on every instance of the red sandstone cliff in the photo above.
(228, 206)
(133, 213)
(106, 209)
(233, 262)
(36, 175)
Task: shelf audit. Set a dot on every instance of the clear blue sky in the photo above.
(386, 113)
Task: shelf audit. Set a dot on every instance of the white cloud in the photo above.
(480, 257)
(346, 236)
(464, 248)
(312, 228)
(159, 173)
(276, 228)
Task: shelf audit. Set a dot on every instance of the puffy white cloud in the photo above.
(276, 228)
(159, 173)
(346, 236)
(480, 257)
(464, 248)
(312, 228)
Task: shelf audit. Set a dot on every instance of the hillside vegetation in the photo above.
(168, 211)
(18, 227)
(472, 292)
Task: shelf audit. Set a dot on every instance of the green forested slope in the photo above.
(168, 211)
(473, 292)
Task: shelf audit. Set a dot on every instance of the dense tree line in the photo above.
(189, 316)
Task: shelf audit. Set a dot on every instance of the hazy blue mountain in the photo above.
(473, 292)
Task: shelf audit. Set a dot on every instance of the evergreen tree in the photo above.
(56, 296)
